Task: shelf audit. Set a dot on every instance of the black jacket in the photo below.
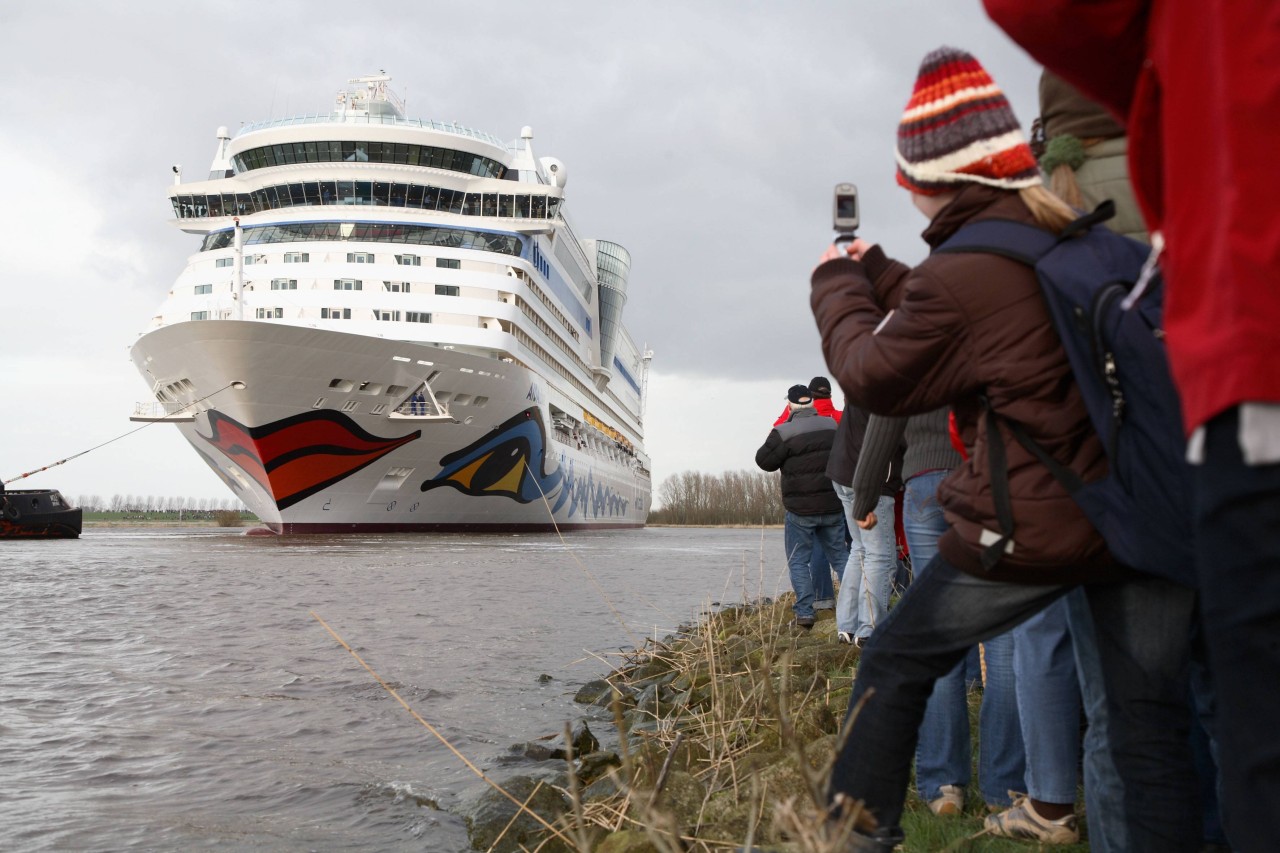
(800, 447)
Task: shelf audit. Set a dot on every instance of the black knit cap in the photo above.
(800, 395)
(820, 387)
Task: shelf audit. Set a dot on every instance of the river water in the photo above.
(171, 689)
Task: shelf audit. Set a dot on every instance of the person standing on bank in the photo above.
(972, 331)
(821, 567)
(867, 582)
(799, 448)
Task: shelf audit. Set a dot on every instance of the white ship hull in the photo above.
(301, 424)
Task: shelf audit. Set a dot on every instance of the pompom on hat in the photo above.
(959, 128)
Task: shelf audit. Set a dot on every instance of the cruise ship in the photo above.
(390, 324)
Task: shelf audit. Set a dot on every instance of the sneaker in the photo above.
(1022, 821)
(848, 639)
(950, 802)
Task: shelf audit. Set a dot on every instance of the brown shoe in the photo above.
(949, 803)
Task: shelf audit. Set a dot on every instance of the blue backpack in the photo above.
(1142, 506)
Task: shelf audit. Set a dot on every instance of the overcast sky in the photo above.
(703, 136)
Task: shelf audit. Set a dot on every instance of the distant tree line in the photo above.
(155, 504)
(734, 497)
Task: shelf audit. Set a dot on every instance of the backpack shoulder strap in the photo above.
(1019, 241)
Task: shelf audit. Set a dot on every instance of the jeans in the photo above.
(1103, 790)
(1143, 628)
(1048, 691)
(820, 568)
(869, 575)
(944, 755)
(1237, 542)
(799, 532)
(1142, 639)
(851, 577)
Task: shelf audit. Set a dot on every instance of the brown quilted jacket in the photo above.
(965, 325)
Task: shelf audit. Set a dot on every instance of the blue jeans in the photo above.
(868, 578)
(1048, 690)
(1103, 789)
(1237, 542)
(820, 569)
(944, 755)
(799, 532)
(1143, 642)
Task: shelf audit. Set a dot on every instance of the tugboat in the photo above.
(38, 514)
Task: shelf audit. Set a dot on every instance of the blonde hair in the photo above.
(1047, 208)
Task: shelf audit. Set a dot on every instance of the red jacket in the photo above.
(1199, 89)
(821, 405)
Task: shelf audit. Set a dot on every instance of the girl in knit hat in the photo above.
(972, 331)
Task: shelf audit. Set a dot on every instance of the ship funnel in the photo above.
(613, 266)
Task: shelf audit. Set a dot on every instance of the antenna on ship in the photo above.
(646, 359)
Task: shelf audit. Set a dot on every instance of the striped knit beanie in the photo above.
(958, 127)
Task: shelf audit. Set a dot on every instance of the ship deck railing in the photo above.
(156, 412)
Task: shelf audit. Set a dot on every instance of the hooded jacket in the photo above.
(905, 341)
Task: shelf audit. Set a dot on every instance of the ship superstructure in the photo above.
(391, 324)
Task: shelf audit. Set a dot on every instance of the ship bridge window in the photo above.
(417, 317)
(368, 152)
(225, 262)
(449, 263)
(409, 260)
(203, 288)
(199, 315)
(335, 313)
(446, 290)
(392, 316)
(270, 313)
(296, 257)
(359, 257)
(368, 232)
(348, 284)
(396, 286)
(284, 284)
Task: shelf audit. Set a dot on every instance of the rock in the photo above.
(627, 841)
(593, 765)
(593, 691)
(601, 789)
(583, 740)
(544, 678)
(534, 751)
(488, 812)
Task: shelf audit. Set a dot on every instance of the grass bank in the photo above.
(726, 733)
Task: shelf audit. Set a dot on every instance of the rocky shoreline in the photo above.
(719, 737)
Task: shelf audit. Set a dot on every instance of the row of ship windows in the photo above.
(368, 232)
(335, 314)
(344, 284)
(377, 193)
(352, 258)
(430, 156)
